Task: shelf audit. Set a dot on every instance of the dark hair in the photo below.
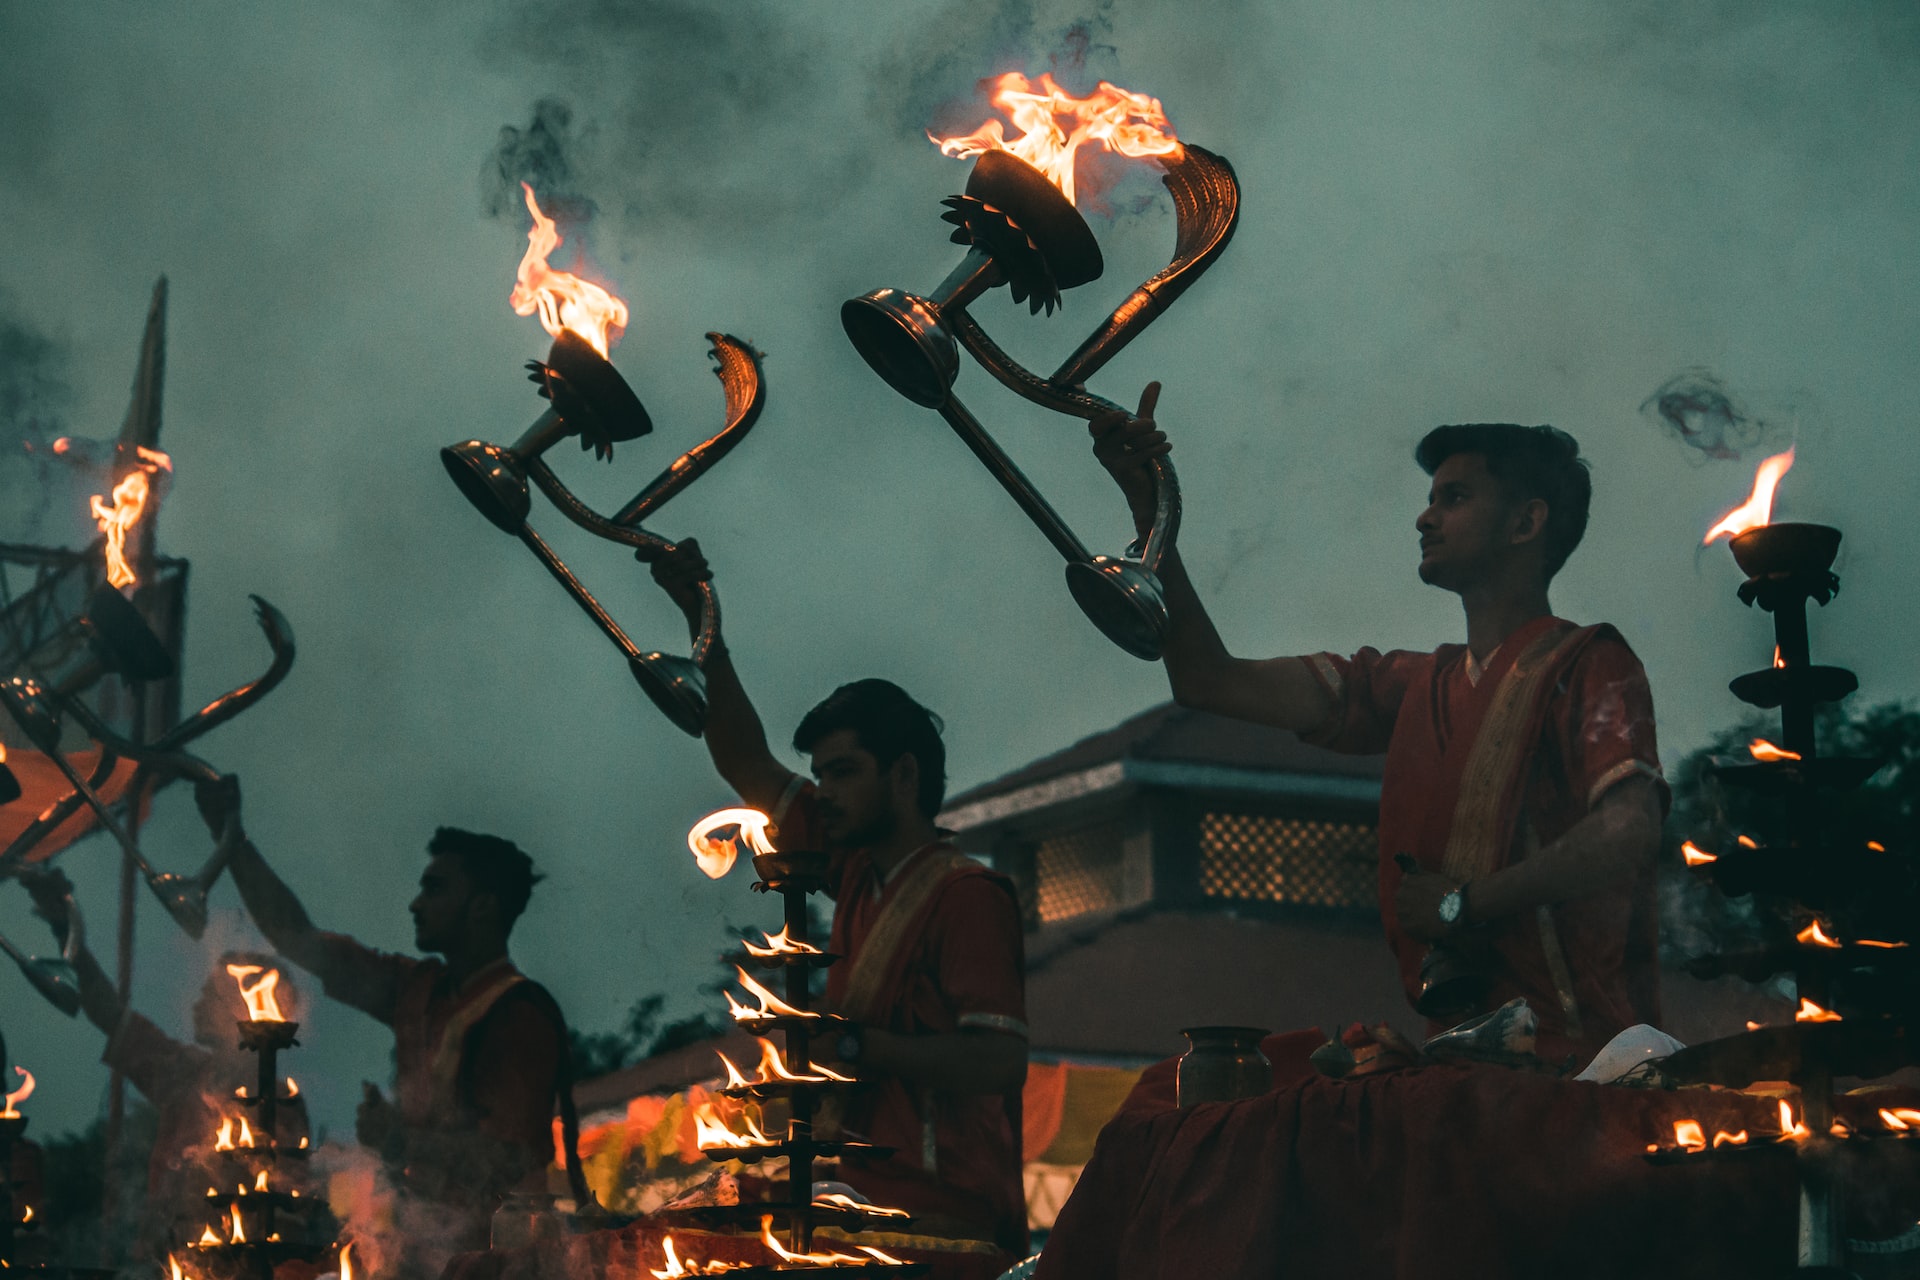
(1529, 462)
(495, 866)
(888, 724)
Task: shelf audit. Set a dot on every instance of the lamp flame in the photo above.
(1131, 124)
(1814, 936)
(1789, 1127)
(779, 944)
(117, 517)
(563, 300)
(1900, 1119)
(711, 1133)
(1695, 855)
(1758, 508)
(676, 1268)
(19, 1095)
(1811, 1012)
(715, 854)
(1764, 750)
(173, 1267)
(223, 1140)
(261, 1004)
(838, 1200)
(823, 1259)
(346, 1261)
(771, 1006)
(208, 1238)
(1689, 1135)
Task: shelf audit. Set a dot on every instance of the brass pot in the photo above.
(1223, 1063)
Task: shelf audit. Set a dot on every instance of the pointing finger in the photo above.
(1149, 399)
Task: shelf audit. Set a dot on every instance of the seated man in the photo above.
(1522, 799)
(480, 1050)
(188, 1084)
(931, 942)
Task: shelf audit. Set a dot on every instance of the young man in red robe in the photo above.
(481, 1054)
(1522, 800)
(932, 973)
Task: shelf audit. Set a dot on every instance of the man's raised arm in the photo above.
(735, 738)
(1278, 691)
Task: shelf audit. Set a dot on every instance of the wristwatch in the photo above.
(852, 1042)
(1453, 907)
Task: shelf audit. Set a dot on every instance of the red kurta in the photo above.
(1589, 968)
(483, 1058)
(957, 1158)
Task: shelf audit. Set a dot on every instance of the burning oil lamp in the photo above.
(588, 398)
(13, 1126)
(1018, 220)
(116, 632)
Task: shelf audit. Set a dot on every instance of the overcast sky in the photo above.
(1472, 210)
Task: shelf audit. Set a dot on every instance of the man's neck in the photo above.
(907, 839)
(462, 963)
(1493, 614)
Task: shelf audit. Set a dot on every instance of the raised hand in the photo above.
(1126, 445)
(219, 803)
(680, 573)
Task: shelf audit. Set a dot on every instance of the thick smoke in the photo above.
(34, 396)
(548, 156)
(1697, 410)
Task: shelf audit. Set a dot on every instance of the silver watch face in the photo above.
(1450, 907)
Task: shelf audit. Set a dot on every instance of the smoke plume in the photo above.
(34, 396)
(548, 156)
(1697, 410)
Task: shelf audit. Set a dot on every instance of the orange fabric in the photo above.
(1043, 1105)
(42, 785)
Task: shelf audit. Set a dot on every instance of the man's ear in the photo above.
(1529, 521)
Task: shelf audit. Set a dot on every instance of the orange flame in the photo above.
(1695, 855)
(715, 854)
(346, 1261)
(836, 1200)
(1778, 661)
(1764, 750)
(223, 1140)
(1689, 1135)
(779, 944)
(1789, 1127)
(1876, 846)
(1758, 508)
(239, 1231)
(1811, 1012)
(1131, 124)
(1721, 1138)
(562, 299)
(261, 1003)
(1900, 1118)
(1875, 942)
(19, 1095)
(712, 1134)
(260, 1183)
(771, 1006)
(1746, 842)
(28, 1216)
(823, 1259)
(173, 1266)
(293, 1088)
(207, 1237)
(117, 518)
(246, 1134)
(1814, 936)
(676, 1268)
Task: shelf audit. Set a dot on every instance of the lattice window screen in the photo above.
(1258, 858)
(1081, 871)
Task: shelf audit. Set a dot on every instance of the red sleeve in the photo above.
(977, 953)
(1367, 689)
(154, 1061)
(796, 819)
(1605, 722)
(369, 980)
(515, 1057)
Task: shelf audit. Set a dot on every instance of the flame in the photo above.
(207, 1237)
(837, 1200)
(1131, 124)
(1758, 508)
(303, 1142)
(564, 300)
(173, 1265)
(716, 854)
(1814, 936)
(223, 1140)
(239, 1235)
(293, 1088)
(1899, 1118)
(346, 1261)
(261, 1004)
(1754, 1026)
(1778, 661)
(1721, 1138)
(1695, 855)
(1689, 1135)
(1876, 942)
(246, 1134)
(712, 1134)
(1876, 846)
(260, 1183)
(19, 1095)
(28, 1216)
(1746, 842)
(677, 1268)
(1764, 750)
(1789, 1127)
(1811, 1012)
(735, 1080)
(129, 502)
(822, 1259)
(777, 944)
(771, 1006)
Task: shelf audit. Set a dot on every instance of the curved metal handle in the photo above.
(647, 547)
(153, 758)
(1206, 204)
(737, 365)
(279, 635)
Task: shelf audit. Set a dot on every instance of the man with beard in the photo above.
(932, 969)
(1522, 799)
(480, 1050)
(190, 1085)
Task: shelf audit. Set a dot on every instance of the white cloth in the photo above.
(1637, 1044)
